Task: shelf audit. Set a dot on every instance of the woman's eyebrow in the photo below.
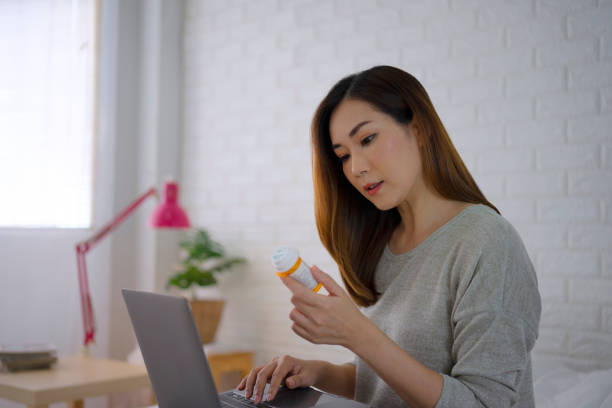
(352, 132)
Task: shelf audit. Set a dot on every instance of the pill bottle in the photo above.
(287, 262)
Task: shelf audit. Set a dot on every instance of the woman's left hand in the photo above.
(321, 319)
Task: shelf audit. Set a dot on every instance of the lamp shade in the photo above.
(168, 213)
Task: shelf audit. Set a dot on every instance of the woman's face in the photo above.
(379, 156)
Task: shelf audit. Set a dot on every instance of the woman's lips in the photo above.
(375, 189)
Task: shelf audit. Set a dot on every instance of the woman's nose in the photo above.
(359, 165)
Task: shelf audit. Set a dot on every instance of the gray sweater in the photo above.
(464, 303)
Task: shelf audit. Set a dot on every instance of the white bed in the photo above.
(557, 385)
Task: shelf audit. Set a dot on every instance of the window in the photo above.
(47, 94)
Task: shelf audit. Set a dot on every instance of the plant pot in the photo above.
(207, 315)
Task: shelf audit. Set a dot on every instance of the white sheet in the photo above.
(558, 386)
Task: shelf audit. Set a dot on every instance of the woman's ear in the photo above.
(416, 130)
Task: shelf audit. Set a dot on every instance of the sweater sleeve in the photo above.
(495, 317)
(492, 354)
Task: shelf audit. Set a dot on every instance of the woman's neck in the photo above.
(420, 218)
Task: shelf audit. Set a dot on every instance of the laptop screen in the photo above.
(172, 350)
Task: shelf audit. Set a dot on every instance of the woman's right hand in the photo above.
(295, 372)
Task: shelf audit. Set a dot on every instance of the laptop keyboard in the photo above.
(238, 401)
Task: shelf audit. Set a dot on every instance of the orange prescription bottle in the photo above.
(287, 262)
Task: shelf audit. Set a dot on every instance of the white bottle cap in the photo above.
(284, 258)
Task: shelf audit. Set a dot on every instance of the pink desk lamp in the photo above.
(168, 214)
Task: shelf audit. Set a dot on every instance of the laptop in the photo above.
(178, 368)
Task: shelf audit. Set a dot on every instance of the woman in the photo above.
(451, 300)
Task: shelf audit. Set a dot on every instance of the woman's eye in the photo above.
(344, 158)
(368, 140)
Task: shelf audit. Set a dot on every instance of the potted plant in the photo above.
(203, 258)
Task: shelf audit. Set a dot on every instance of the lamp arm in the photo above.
(86, 245)
(82, 248)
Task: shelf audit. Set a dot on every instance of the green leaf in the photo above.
(199, 248)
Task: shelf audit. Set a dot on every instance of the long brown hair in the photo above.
(352, 229)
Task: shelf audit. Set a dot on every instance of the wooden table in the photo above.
(72, 379)
(229, 368)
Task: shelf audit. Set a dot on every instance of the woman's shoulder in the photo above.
(481, 225)
(483, 235)
(501, 266)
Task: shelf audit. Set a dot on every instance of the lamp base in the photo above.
(84, 352)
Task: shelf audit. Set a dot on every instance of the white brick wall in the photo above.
(524, 88)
